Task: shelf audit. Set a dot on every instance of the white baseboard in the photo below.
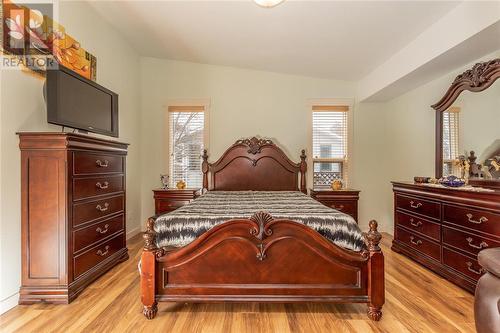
(8, 303)
(133, 232)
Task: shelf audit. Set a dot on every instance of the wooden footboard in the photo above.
(262, 260)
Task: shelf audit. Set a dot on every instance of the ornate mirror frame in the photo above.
(480, 77)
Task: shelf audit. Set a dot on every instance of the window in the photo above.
(329, 144)
(186, 144)
(450, 140)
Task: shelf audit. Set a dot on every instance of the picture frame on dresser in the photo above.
(73, 213)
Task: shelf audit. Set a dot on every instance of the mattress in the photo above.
(182, 226)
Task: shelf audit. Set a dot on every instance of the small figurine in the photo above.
(181, 184)
(495, 165)
(165, 180)
(336, 184)
(485, 170)
(464, 167)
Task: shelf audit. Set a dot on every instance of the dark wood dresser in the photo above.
(73, 213)
(167, 200)
(345, 200)
(444, 229)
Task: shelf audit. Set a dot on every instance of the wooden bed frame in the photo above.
(261, 259)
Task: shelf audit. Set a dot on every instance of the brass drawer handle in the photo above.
(103, 186)
(415, 224)
(106, 250)
(103, 231)
(480, 246)
(102, 164)
(102, 208)
(469, 267)
(338, 208)
(417, 242)
(471, 220)
(417, 205)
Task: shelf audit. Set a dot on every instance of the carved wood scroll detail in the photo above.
(478, 78)
(478, 75)
(254, 144)
(262, 219)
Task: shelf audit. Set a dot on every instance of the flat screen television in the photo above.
(73, 101)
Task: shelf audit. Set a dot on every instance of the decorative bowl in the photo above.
(452, 181)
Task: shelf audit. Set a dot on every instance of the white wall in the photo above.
(245, 103)
(22, 109)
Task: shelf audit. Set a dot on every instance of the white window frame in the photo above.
(205, 104)
(347, 170)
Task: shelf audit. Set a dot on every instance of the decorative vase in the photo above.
(181, 185)
(336, 184)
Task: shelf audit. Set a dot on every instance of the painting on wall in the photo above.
(32, 38)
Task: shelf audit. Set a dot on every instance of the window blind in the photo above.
(186, 144)
(329, 144)
(450, 139)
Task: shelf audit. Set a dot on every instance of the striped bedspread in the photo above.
(182, 226)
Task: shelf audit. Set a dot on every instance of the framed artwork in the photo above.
(39, 43)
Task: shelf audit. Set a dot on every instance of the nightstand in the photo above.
(345, 200)
(167, 200)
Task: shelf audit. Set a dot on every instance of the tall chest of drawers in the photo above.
(72, 213)
(444, 229)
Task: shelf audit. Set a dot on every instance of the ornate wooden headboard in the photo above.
(254, 164)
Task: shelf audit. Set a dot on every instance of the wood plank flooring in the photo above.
(417, 300)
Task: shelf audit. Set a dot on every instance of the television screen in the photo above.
(76, 102)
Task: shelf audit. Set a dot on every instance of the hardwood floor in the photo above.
(417, 300)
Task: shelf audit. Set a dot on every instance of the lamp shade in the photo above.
(268, 3)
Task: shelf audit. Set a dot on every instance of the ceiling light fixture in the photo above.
(268, 3)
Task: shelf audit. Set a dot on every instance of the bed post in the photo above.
(148, 273)
(303, 170)
(376, 288)
(204, 169)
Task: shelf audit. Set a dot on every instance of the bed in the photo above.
(287, 250)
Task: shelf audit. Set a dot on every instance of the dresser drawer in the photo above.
(471, 218)
(463, 264)
(166, 206)
(89, 235)
(89, 211)
(88, 259)
(89, 187)
(418, 224)
(419, 243)
(348, 207)
(466, 241)
(94, 163)
(419, 206)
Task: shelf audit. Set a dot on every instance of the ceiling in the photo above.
(342, 40)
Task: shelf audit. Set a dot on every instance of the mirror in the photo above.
(471, 124)
(468, 126)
